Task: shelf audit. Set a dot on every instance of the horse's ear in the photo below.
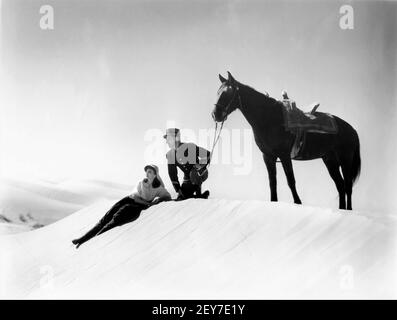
(230, 78)
(223, 80)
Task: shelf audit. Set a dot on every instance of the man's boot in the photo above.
(205, 194)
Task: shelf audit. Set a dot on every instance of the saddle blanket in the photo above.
(319, 122)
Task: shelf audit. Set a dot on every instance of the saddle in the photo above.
(300, 123)
(313, 121)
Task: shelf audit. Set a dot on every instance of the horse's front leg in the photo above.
(270, 162)
(289, 172)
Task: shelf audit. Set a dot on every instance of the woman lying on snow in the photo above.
(151, 191)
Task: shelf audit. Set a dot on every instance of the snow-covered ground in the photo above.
(212, 248)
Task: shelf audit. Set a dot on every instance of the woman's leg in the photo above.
(104, 220)
(125, 214)
(118, 205)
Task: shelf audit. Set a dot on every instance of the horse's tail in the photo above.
(356, 165)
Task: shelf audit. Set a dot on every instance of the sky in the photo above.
(92, 97)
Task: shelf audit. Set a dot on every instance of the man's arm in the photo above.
(204, 156)
(173, 171)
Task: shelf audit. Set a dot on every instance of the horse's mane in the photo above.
(270, 100)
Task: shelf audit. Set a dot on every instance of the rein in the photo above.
(217, 136)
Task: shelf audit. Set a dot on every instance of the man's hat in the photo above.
(171, 132)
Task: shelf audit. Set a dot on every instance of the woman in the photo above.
(150, 191)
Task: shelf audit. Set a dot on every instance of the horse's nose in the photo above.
(213, 116)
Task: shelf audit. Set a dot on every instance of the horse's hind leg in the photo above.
(332, 165)
(347, 176)
(289, 173)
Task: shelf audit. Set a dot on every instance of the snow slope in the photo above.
(206, 249)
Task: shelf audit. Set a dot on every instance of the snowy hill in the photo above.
(206, 249)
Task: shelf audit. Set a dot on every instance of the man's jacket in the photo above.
(185, 157)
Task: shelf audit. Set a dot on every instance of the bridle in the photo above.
(226, 108)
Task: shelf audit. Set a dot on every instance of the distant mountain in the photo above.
(38, 203)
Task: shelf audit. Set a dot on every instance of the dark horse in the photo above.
(265, 115)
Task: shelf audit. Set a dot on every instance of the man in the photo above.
(192, 160)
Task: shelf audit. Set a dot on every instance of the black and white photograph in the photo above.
(198, 150)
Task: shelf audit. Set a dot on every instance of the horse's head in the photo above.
(227, 100)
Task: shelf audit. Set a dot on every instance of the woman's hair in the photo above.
(156, 182)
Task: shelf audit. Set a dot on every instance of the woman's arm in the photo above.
(159, 199)
(140, 200)
(162, 195)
